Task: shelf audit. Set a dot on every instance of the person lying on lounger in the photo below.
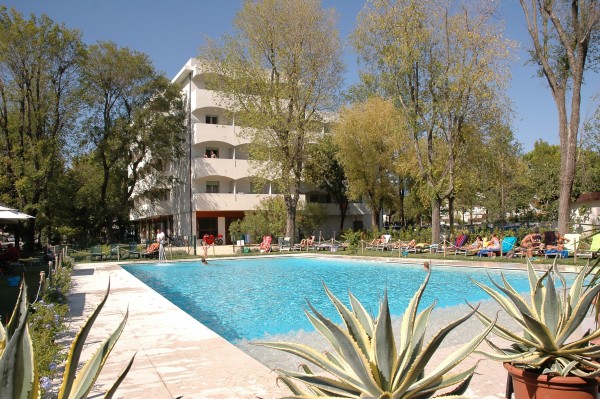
(477, 244)
(560, 243)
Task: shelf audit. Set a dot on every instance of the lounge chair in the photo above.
(384, 243)
(96, 253)
(152, 251)
(459, 242)
(265, 245)
(594, 249)
(133, 250)
(508, 244)
(285, 243)
(116, 252)
(305, 243)
(572, 246)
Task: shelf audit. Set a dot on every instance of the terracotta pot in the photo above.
(530, 385)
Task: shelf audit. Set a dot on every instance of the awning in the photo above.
(12, 216)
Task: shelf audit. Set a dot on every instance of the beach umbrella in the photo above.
(12, 216)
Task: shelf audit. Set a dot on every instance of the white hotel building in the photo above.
(215, 178)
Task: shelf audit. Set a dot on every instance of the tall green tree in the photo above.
(544, 161)
(326, 172)
(443, 66)
(365, 136)
(278, 73)
(133, 128)
(39, 103)
(565, 37)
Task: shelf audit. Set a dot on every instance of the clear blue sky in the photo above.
(170, 32)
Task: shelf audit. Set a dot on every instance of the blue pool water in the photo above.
(251, 298)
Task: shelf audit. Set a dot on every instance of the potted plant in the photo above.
(546, 358)
(365, 361)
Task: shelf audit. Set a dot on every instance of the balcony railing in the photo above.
(233, 168)
(226, 202)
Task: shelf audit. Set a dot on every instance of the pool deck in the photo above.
(178, 357)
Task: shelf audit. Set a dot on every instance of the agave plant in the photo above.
(548, 321)
(18, 375)
(366, 363)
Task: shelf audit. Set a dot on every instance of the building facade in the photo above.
(214, 181)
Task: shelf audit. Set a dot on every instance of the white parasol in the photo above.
(12, 216)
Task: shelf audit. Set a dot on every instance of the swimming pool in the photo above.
(250, 298)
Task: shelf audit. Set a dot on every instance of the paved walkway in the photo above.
(178, 357)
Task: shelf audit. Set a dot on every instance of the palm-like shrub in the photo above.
(366, 363)
(18, 374)
(548, 320)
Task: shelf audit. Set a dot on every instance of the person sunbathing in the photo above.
(531, 242)
(494, 244)
(477, 244)
(560, 243)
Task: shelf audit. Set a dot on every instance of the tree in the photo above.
(39, 100)
(505, 186)
(279, 73)
(544, 160)
(365, 136)
(445, 71)
(564, 34)
(133, 127)
(325, 171)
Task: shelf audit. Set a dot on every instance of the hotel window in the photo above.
(211, 119)
(212, 186)
(211, 152)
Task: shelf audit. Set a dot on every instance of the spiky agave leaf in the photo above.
(555, 317)
(79, 385)
(351, 374)
(18, 373)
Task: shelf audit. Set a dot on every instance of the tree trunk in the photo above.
(375, 218)
(291, 205)
(436, 204)
(567, 176)
(451, 212)
(343, 210)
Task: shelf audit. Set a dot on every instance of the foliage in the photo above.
(565, 43)
(18, 372)
(279, 86)
(310, 217)
(325, 171)
(133, 128)
(366, 363)
(46, 322)
(39, 100)
(448, 82)
(549, 319)
(268, 219)
(544, 160)
(365, 138)
(353, 239)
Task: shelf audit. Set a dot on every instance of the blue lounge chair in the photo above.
(508, 244)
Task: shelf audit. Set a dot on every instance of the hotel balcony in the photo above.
(208, 98)
(234, 169)
(205, 132)
(226, 202)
